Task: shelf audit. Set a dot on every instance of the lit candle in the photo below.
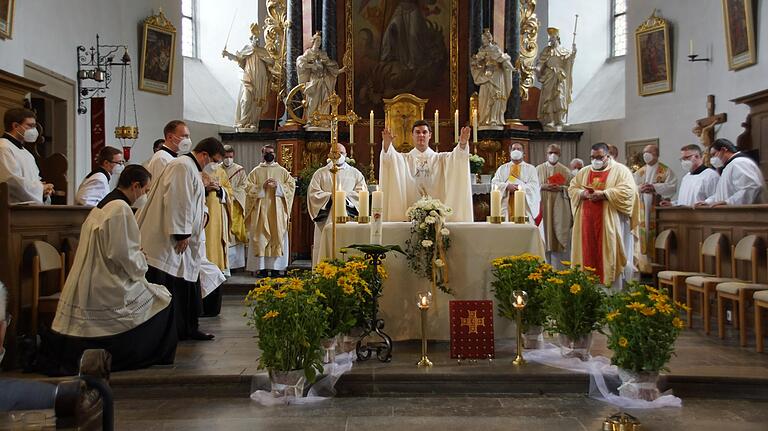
(377, 199)
(690, 47)
(351, 132)
(362, 196)
(520, 299)
(456, 125)
(377, 209)
(437, 126)
(519, 203)
(495, 202)
(474, 125)
(341, 203)
(370, 130)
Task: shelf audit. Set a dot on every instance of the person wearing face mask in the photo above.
(320, 194)
(519, 175)
(177, 141)
(555, 206)
(267, 212)
(17, 165)
(699, 181)
(741, 181)
(575, 166)
(96, 184)
(655, 182)
(107, 302)
(237, 177)
(172, 235)
(604, 217)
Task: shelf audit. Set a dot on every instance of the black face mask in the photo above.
(269, 157)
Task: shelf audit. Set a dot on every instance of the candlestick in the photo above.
(362, 197)
(437, 126)
(370, 129)
(425, 300)
(521, 299)
(456, 126)
(495, 202)
(377, 211)
(519, 205)
(474, 126)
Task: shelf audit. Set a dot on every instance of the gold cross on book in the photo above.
(472, 321)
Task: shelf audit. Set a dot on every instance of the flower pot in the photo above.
(347, 343)
(533, 338)
(639, 386)
(575, 348)
(287, 383)
(329, 349)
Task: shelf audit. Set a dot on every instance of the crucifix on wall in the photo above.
(705, 127)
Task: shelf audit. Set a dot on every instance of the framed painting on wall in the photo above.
(6, 18)
(634, 152)
(158, 54)
(739, 33)
(654, 68)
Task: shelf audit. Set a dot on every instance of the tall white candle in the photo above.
(495, 202)
(377, 200)
(519, 203)
(377, 209)
(341, 203)
(456, 125)
(370, 130)
(362, 197)
(351, 133)
(474, 125)
(437, 126)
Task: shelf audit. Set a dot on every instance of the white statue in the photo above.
(256, 64)
(492, 70)
(554, 70)
(318, 73)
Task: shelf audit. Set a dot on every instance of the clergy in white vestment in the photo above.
(238, 233)
(405, 178)
(655, 182)
(699, 181)
(267, 214)
(556, 218)
(96, 184)
(519, 175)
(171, 225)
(741, 181)
(320, 194)
(176, 142)
(17, 165)
(106, 302)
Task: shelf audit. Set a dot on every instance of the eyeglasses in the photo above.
(121, 162)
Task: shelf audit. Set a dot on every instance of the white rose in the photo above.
(433, 213)
(426, 243)
(430, 220)
(445, 232)
(439, 263)
(423, 226)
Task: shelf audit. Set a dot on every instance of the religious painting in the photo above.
(6, 18)
(402, 46)
(654, 68)
(739, 33)
(634, 152)
(158, 53)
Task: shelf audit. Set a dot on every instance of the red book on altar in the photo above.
(557, 180)
(472, 329)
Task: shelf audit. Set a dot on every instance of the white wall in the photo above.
(47, 32)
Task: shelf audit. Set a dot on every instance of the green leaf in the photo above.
(376, 249)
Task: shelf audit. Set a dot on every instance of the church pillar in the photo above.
(512, 48)
(475, 33)
(295, 43)
(329, 28)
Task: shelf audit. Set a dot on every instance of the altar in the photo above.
(473, 247)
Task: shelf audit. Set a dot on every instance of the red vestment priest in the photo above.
(472, 329)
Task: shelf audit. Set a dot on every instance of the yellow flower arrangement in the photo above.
(525, 272)
(574, 303)
(575, 289)
(270, 315)
(623, 342)
(612, 315)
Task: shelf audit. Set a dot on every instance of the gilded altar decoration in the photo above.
(275, 28)
(654, 68)
(739, 33)
(399, 114)
(158, 55)
(529, 31)
(429, 241)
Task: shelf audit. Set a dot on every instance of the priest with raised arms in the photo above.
(17, 165)
(405, 178)
(519, 175)
(320, 194)
(107, 303)
(605, 215)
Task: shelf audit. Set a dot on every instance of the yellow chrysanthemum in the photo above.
(590, 269)
(612, 315)
(564, 272)
(555, 280)
(566, 262)
(678, 323)
(683, 306)
(535, 276)
(623, 342)
(635, 294)
(648, 311)
(635, 306)
(575, 289)
(664, 307)
(270, 315)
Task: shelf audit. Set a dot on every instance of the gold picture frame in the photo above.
(739, 25)
(633, 151)
(652, 47)
(6, 18)
(158, 55)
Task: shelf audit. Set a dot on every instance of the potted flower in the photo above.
(642, 326)
(290, 322)
(476, 164)
(575, 306)
(523, 272)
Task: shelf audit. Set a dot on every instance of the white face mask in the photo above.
(118, 169)
(516, 155)
(716, 162)
(574, 172)
(598, 164)
(687, 165)
(553, 158)
(30, 135)
(341, 160)
(647, 157)
(185, 146)
(140, 202)
(210, 168)
(228, 161)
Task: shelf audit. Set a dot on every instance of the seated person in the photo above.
(106, 302)
(741, 182)
(96, 184)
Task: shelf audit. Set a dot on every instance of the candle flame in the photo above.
(520, 299)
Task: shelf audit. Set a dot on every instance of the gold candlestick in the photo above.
(372, 167)
(363, 219)
(521, 298)
(425, 299)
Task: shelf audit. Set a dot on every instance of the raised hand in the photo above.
(464, 136)
(386, 138)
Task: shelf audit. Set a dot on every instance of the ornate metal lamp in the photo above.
(521, 299)
(425, 300)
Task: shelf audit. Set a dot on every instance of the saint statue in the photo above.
(554, 71)
(318, 73)
(492, 70)
(256, 64)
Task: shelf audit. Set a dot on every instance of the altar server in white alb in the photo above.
(171, 225)
(320, 194)
(405, 178)
(96, 184)
(741, 182)
(176, 142)
(267, 213)
(17, 165)
(519, 175)
(107, 303)
(699, 181)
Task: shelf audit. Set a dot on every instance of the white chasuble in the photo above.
(404, 178)
(106, 292)
(697, 186)
(268, 211)
(19, 170)
(528, 181)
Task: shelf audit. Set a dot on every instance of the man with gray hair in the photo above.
(575, 166)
